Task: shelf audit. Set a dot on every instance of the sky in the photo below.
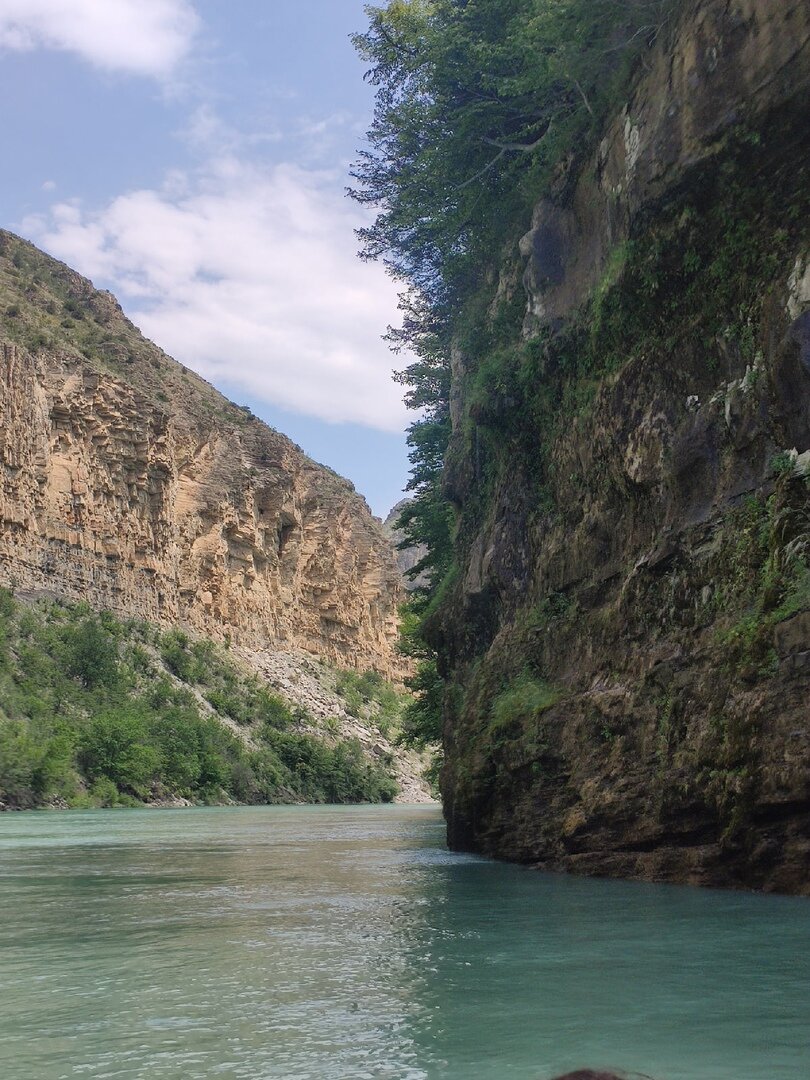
(192, 156)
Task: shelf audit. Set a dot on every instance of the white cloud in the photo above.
(143, 37)
(247, 274)
(207, 132)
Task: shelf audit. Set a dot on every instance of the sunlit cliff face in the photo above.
(129, 482)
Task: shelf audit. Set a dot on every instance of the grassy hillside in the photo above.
(44, 304)
(99, 712)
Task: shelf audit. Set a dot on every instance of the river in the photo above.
(323, 943)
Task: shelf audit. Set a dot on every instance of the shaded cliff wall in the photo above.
(627, 638)
(128, 481)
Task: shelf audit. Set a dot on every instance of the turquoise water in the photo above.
(331, 943)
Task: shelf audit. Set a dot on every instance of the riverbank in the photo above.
(99, 712)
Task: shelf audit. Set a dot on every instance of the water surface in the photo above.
(347, 944)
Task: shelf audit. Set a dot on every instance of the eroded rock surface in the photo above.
(129, 482)
(653, 580)
(407, 557)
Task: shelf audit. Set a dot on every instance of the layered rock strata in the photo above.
(129, 482)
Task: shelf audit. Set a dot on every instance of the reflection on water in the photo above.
(332, 943)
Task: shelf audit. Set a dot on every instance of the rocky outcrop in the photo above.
(727, 64)
(635, 590)
(129, 482)
(409, 556)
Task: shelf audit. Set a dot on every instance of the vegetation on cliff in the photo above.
(599, 213)
(477, 102)
(477, 106)
(95, 711)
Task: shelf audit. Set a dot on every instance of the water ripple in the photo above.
(340, 944)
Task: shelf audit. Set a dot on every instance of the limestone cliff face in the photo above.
(407, 557)
(128, 481)
(655, 578)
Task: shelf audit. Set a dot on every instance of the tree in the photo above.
(476, 101)
(92, 654)
(116, 746)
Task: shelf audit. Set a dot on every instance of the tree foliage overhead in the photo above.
(476, 100)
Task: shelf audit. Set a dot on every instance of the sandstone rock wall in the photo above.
(127, 481)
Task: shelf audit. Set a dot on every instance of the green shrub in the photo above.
(83, 717)
(92, 654)
(522, 701)
(19, 760)
(228, 704)
(103, 792)
(797, 594)
(270, 709)
(369, 693)
(176, 656)
(332, 774)
(7, 606)
(782, 463)
(116, 745)
(34, 764)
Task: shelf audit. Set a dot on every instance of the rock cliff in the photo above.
(627, 638)
(407, 557)
(128, 481)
